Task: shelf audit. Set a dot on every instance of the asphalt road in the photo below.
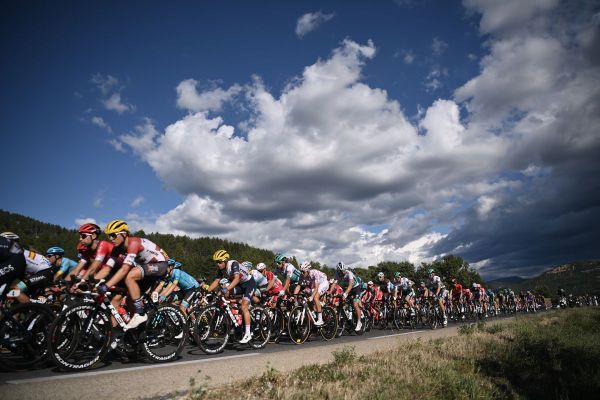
(146, 380)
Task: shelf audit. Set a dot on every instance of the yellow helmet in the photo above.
(116, 226)
(221, 255)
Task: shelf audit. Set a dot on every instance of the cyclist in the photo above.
(178, 278)
(353, 288)
(92, 252)
(274, 285)
(288, 274)
(335, 292)
(404, 287)
(456, 295)
(12, 261)
(385, 285)
(241, 279)
(437, 288)
(319, 285)
(64, 265)
(144, 261)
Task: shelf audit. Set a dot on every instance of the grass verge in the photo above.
(555, 355)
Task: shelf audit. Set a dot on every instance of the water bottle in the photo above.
(124, 315)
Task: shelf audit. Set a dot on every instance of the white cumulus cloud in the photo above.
(311, 21)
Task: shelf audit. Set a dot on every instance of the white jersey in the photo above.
(317, 276)
(35, 262)
(259, 278)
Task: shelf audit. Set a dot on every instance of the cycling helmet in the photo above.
(55, 251)
(305, 266)
(397, 274)
(331, 281)
(224, 282)
(171, 261)
(10, 236)
(116, 226)
(220, 255)
(474, 285)
(380, 275)
(177, 265)
(341, 266)
(247, 264)
(430, 271)
(90, 228)
(370, 283)
(280, 258)
(261, 267)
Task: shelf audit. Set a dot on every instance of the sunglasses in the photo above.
(84, 235)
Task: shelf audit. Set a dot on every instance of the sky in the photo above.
(352, 131)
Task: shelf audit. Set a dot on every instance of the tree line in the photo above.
(196, 253)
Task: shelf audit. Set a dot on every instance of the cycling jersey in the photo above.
(385, 285)
(182, 279)
(101, 253)
(288, 271)
(67, 265)
(347, 277)
(35, 262)
(317, 277)
(234, 267)
(456, 289)
(143, 251)
(259, 278)
(434, 283)
(277, 285)
(405, 285)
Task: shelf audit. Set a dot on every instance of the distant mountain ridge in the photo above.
(576, 277)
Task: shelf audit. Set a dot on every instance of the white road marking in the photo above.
(92, 373)
(396, 334)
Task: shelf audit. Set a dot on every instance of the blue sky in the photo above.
(431, 111)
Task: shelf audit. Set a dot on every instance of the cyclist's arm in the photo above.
(169, 289)
(213, 285)
(96, 264)
(76, 270)
(271, 283)
(234, 282)
(119, 275)
(286, 285)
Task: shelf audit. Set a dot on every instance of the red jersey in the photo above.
(277, 286)
(89, 255)
(456, 289)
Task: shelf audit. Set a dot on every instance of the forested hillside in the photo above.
(196, 254)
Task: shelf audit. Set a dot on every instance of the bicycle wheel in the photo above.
(299, 325)
(330, 323)
(432, 318)
(164, 334)
(277, 324)
(23, 336)
(400, 318)
(79, 337)
(211, 331)
(260, 324)
(341, 323)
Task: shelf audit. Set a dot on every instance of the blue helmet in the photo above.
(55, 251)
(177, 265)
(171, 261)
(280, 258)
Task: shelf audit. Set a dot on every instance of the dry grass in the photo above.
(481, 364)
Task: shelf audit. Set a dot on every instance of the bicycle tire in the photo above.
(330, 323)
(166, 326)
(31, 324)
(299, 325)
(91, 337)
(211, 330)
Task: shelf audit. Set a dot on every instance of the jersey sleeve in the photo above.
(133, 248)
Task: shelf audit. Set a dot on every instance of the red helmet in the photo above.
(90, 228)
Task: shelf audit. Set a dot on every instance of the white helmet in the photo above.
(341, 266)
(10, 236)
(370, 283)
(380, 275)
(261, 267)
(305, 266)
(331, 281)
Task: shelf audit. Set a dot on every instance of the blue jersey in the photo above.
(67, 265)
(182, 279)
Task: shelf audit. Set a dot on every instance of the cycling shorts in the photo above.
(158, 269)
(13, 267)
(246, 289)
(323, 288)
